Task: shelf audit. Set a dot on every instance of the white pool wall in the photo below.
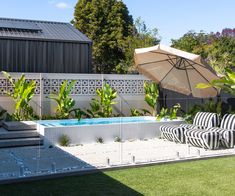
(108, 132)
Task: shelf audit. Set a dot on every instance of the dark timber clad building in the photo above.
(41, 46)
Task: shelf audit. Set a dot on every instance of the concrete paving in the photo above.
(37, 161)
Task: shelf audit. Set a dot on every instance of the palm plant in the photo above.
(64, 102)
(208, 106)
(151, 98)
(22, 94)
(103, 106)
(225, 83)
(174, 110)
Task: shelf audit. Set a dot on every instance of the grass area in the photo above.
(206, 177)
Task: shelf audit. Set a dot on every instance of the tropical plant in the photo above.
(225, 83)
(64, 140)
(64, 102)
(142, 112)
(22, 94)
(172, 113)
(174, 110)
(151, 96)
(117, 139)
(103, 106)
(163, 113)
(100, 140)
(2, 114)
(208, 106)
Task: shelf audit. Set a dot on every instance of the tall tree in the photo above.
(108, 24)
(142, 37)
(217, 48)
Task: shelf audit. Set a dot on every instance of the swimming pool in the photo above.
(96, 121)
(88, 130)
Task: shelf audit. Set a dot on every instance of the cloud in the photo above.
(62, 5)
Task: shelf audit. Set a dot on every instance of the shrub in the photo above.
(100, 140)
(64, 140)
(117, 139)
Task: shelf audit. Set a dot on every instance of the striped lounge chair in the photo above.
(201, 120)
(203, 138)
(226, 130)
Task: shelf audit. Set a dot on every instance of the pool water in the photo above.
(96, 121)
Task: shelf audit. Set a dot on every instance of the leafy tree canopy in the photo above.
(108, 24)
(217, 48)
(114, 34)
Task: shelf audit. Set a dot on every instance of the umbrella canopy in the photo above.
(176, 70)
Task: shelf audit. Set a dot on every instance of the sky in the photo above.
(173, 18)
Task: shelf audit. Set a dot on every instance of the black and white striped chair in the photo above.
(203, 138)
(226, 130)
(202, 120)
(173, 133)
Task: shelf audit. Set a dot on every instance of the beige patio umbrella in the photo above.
(175, 70)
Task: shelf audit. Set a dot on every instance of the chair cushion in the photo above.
(202, 138)
(206, 119)
(228, 122)
(173, 133)
(227, 136)
(190, 126)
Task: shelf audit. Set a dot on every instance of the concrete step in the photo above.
(18, 134)
(20, 142)
(20, 126)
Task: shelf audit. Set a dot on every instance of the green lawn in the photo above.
(207, 177)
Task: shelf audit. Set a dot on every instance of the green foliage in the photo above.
(2, 114)
(64, 102)
(225, 83)
(142, 37)
(103, 106)
(163, 113)
(217, 48)
(174, 110)
(208, 106)
(22, 94)
(151, 96)
(100, 140)
(143, 112)
(172, 113)
(117, 139)
(108, 24)
(64, 140)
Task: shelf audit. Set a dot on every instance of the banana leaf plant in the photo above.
(174, 110)
(22, 94)
(151, 98)
(225, 83)
(103, 105)
(64, 102)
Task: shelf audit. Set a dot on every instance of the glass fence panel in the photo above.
(71, 145)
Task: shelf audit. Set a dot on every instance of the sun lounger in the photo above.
(202, 120)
